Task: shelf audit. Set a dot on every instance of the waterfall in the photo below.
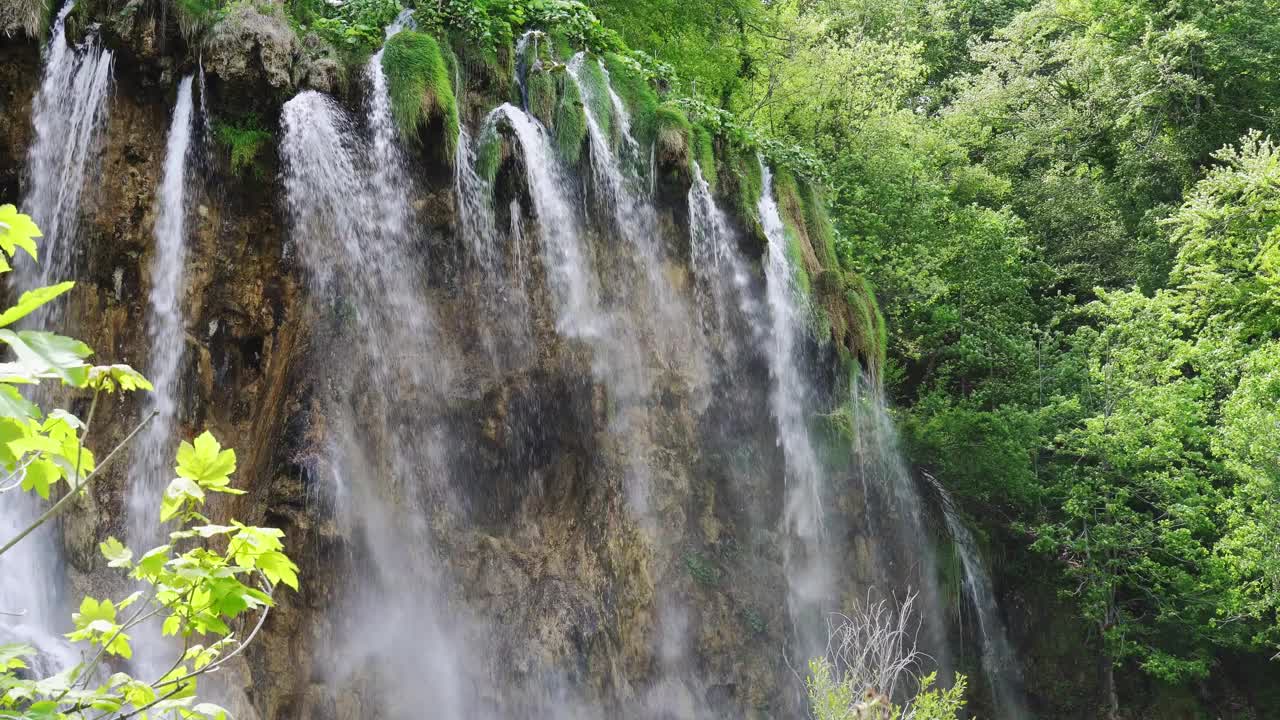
(564, 252)
(632, 214)
(805, 555)
(710, 251)
(902, 526)
(69, 114)
(523, 66)
(152, 458)
(474, 198)
(351, 223)
(622, 195)
(999, 663)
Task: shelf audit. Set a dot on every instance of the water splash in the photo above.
(166, 327)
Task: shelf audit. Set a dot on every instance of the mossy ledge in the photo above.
(419, 84)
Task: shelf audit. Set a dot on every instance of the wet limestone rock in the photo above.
(252, 47)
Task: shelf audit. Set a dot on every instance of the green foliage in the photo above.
(833, 698)
(356, 27)
(420, 86)
(193, 588)
(753, 621)
(243, 138)
(495, 23)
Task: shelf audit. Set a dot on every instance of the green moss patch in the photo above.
(595, 96)
(674, 135)
(570, 122)
(637, 95)
(703, 150)
(489, 153)
(543, 87)
(420, 86)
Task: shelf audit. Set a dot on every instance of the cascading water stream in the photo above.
(564, 254)
(353, 227)
(475, 206)
(523, 66)
(152, 457)
(806, 557)
(903, 526)
(69, 114)
(710, 251)
(999, 663)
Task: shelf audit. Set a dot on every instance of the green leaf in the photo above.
(12, 404)
(171, 625)
(117, 377)
(17, 231)
(39, 475)
(205, 462)
(31, 300)
(210, 711)
(179, 491)
(152, 562)
(11, 656)
(48, 353)
(278, 568)
(115, 551)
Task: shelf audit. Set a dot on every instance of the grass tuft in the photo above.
(703, 150)
(420, 85)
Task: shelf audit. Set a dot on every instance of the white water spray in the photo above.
(805, 555)
(152, 458)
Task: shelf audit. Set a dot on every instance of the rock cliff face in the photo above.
(554, 587)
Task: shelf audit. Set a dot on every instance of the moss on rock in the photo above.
(674, 135)
(702, 150)
(636, 93)
(420, 86)
(570, 122)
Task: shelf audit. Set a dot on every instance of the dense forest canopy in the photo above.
(1068, 209)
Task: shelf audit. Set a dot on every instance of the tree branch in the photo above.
(61, 505)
